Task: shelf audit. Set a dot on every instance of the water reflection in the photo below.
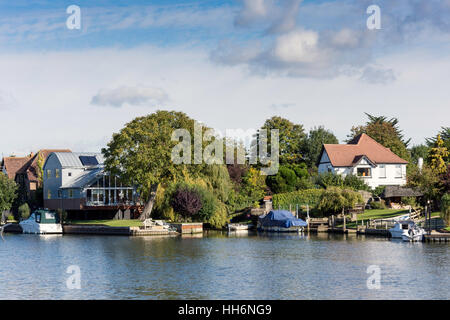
(221, 265)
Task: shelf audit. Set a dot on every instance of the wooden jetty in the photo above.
(437, 237)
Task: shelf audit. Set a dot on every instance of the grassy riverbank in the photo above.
(380, 214)
(110, 223)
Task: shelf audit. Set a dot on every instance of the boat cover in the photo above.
(281, 218)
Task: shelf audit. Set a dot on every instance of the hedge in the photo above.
(309, 197)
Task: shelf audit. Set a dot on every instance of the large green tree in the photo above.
(141, 153)
(386, 132)
(8, 193)
(291, 137)
(314, 142)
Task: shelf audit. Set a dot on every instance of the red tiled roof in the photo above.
(346, 155)
(31, 167)
(14, 164)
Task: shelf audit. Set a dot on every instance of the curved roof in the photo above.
(72, 159)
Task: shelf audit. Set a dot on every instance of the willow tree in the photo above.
(141, 153)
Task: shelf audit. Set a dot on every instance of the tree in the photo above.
(186, 201)
(291, 138)
(141, 153)
(329, 179)
(437, 156)
(312, 147)
(445, 136)
(336, 199)
(284, 181)
(8, 192)
(23, 212)
(419, 151)
(445, 208)
(427, 180)
(386, 132)
(289, 178)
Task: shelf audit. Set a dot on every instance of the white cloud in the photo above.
(297, 46)
(56, 96)
(137, 96)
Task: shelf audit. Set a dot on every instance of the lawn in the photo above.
(380, 214)
(110, 223)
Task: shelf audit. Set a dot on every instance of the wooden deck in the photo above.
(437, 237)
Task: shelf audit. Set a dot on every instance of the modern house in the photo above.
(78, 184)
(365, 158)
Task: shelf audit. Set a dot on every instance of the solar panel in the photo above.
(88, 160)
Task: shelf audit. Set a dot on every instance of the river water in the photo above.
(218, 266)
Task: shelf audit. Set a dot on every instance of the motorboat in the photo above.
(239, 227)
(42, 221)
(407, 230)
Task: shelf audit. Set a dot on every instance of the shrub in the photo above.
(186, 201)
(300, 197)
(445, 208)
(410, 201)
(378, 191)
(329, 179)
(23, 212)
(284, 181)
(355, 183)
(334, 200)
(378, 205)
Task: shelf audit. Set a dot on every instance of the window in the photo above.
(49, 194)
(329, 169)
(382, 171)
(69, 174)
(70, 193)
(59, 194)
(364, 172)
(398, 171)
(49, 173)
(56, 173)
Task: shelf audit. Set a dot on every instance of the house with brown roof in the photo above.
(10, 165)
(365, 158)
(29, 176)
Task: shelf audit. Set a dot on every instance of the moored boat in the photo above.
(280, 221)
(407, 230)
(42, 221)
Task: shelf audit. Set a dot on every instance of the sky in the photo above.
(230, 64)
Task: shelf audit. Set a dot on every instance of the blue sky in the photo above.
(231, 64)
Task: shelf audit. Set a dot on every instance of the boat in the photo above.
(407, 230)
(239, 227)
(42, 221)
(280, 221)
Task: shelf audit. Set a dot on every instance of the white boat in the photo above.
(42, 221)
(238, 227)
(407, 230)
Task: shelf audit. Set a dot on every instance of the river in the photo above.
(217, 266)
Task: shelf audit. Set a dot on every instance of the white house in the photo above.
(365, 158)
